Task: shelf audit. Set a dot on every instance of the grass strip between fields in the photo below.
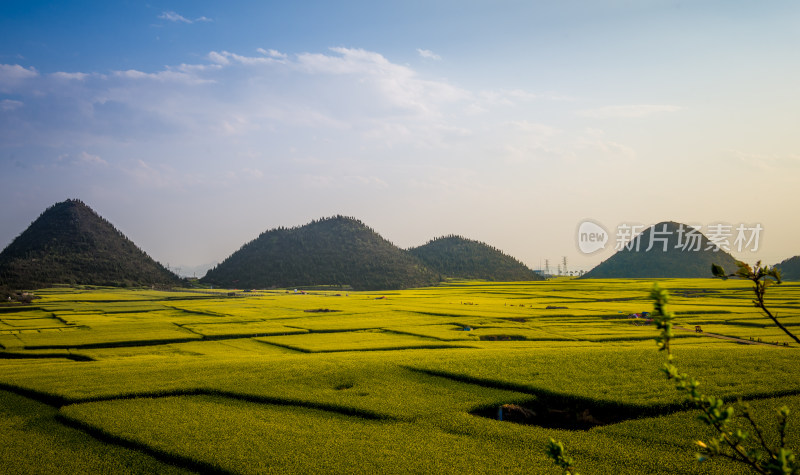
(345, 350)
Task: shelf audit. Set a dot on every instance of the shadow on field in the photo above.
(6, 355)
(559, 412)
(553, 410)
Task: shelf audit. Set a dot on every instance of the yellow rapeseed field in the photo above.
(118, 381)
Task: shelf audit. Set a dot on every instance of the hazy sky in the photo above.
(193, 126)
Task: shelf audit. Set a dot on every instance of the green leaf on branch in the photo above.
(555, 450)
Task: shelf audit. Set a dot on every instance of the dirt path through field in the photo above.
(723, 337)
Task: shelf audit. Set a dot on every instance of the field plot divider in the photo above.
(161, 455)
(253, 398)
(633, 410)
(57, 401)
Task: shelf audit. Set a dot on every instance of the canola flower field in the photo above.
(97, 380)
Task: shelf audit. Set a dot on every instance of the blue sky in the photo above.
(193, 126)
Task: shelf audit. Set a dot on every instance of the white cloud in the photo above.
(84, 158)
(185, 76)
(428, 54)
(272, 53)
(627, 111)
(7, 105)
(15, 71)
(379, 82)
(342, 104)
(346, 101)
(218, 58)
(237, 125)
(224, 58)
(177, 18)
(12, 75)
(351, 61)
(396, 85)
(89, 159)
(194, 68)
(70, 76)
(172, 16)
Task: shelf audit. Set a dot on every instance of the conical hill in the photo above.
(71, 244)
(667, 249)
(462, 258)
(337, 251)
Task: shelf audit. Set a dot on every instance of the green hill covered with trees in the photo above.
(338, 251)
(674, 254)
(71, 244)
(790, 268)
(461, 258)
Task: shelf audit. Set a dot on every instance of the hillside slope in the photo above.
(461, 258)
(71, 244)
(790, 268)
(337, 251)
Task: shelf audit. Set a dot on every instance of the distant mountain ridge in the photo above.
(790, 268)
(668, 257)
(461, 258)
(71, 244)
(338, 251)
